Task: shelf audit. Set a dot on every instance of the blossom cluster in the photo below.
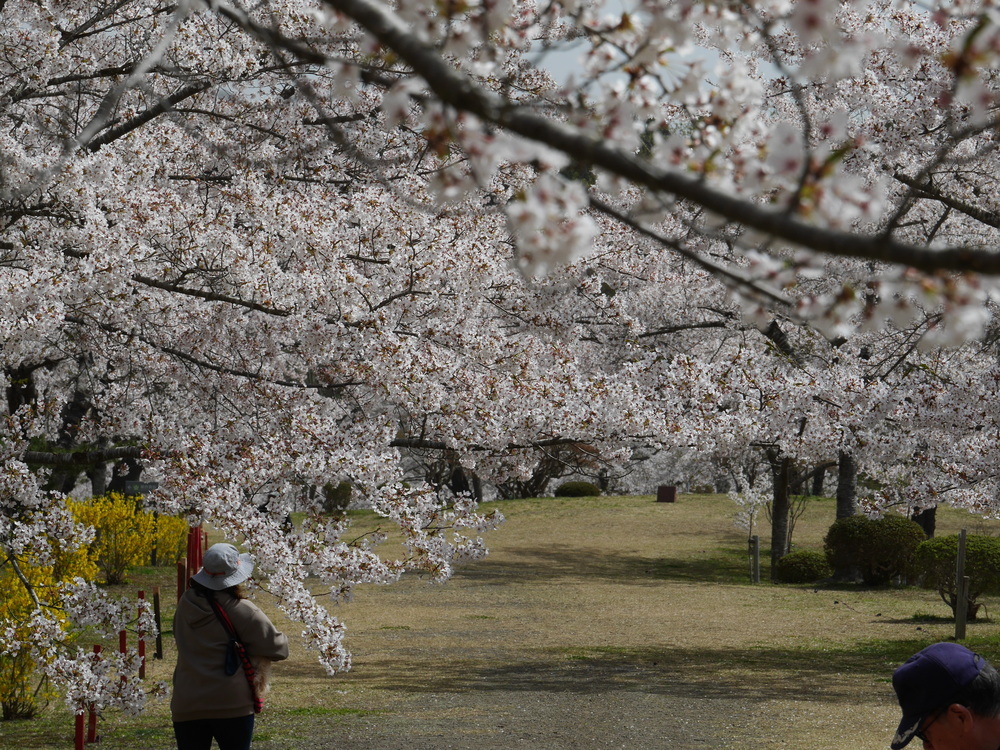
(262, 253)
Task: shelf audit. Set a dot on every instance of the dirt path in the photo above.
(485, 700)
(583, 643)
(558, 719)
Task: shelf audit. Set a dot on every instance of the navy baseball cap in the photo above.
(928, 681)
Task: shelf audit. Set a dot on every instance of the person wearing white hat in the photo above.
(213, 697)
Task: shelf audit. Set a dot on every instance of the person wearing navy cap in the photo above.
(950, 697)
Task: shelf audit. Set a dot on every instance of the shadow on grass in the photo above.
(927, 619)
(720, 565)
(757, 674)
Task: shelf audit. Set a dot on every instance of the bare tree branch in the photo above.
(161, 107)
(83, 458)
(681, 327)
(210, 296)
(926, 190)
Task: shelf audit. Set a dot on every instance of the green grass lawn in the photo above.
(644, 593)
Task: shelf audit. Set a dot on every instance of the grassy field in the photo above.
(636, 616)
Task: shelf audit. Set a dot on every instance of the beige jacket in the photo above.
(202, 690)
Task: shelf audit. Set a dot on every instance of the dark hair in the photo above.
(236, 591)
(982, 695)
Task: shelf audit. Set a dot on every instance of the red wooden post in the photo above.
(92, 717)
(194, 549)
(158, 654)
(79, 738)
(191, 554)
(200, 548)
(91, 725)
(122, 647)
(142, 640)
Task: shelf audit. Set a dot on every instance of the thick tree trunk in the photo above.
(847, 486)
(62, 480)
(819, 474)
(128, 470)
(927, 520)
(98, 475)
(847, 506)
(780, 508)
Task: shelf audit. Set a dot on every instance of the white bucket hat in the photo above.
(223, 566)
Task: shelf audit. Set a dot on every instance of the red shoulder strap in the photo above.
(248, 668)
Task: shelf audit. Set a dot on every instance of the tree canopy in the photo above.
(257, 251)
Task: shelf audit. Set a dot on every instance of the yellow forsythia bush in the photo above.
(171, 539)
(20, 690)
(124, 532)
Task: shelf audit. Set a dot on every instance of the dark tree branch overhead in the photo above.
(926, 190)
(161, 107)
(83, 458)
(440, 445)
(730, 276)
(681, 327)
(459, 91)
(210, 296)
(201, 363)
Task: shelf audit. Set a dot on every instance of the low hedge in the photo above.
(879, 549)
(577, 489)
(802, 566)
(935, 563)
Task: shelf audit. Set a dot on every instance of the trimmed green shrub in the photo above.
(895, 540)
(577, 489)
(802, 566)
(844, 542)
(935, 562)
(878, 549)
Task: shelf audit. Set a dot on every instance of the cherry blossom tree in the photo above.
(250, 252)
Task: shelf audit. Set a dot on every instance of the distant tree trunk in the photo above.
(458, 481)
(98, 476)
(128, 470)
(71, 415)
(818, 476)
(927, 520)
(780, 509)
(847, 506)
(61, 480)
(466, 481)
(847, 486)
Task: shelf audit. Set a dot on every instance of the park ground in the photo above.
(614, 622)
